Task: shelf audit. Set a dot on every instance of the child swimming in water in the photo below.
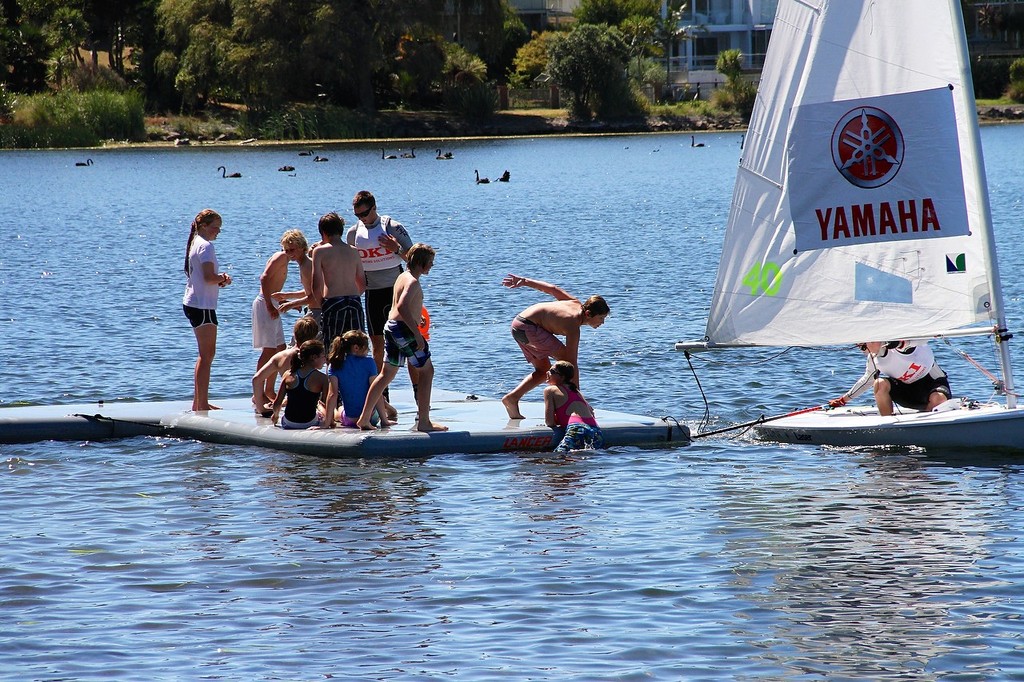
(564, 405)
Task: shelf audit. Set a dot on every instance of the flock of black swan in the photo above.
(411, 154)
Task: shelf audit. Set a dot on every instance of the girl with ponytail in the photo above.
(351, 372)
(564, 405)
(303, 388)
(200, 300)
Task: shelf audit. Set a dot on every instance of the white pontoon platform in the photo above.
(475, 425)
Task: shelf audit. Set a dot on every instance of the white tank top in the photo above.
(374, 256)
(906, 366)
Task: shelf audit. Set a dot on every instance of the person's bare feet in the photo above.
(204, 409)
(431, 426)
(367, 426)
(512, 407)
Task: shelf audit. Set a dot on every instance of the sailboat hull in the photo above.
(987, 426)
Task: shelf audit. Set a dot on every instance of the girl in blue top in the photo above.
(351, 372)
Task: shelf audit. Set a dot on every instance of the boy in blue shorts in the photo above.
(403, 340)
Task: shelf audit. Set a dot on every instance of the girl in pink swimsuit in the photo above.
(564, 405)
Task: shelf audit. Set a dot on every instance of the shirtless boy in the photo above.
(403, 340)
(295, 300)
(535, 328)
(338, 280)
(305, 329)
(267, 330)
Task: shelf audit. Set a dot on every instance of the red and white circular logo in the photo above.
(867, 147)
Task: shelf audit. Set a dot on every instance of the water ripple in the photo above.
(166, 560)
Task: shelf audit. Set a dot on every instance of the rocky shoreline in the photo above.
(420, 125)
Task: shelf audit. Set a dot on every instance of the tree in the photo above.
(614, 12)
(114, 26)
(589, 64)
(738, 93)
(639, 33)
(532, 58)
(514, 36)
(196, 35)
(670, 30)
(65, 31)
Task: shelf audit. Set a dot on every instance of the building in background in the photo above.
(539, 15)
(711, 27)
(994, 28)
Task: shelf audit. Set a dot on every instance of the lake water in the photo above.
(160, 559)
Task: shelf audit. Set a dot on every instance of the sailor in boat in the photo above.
(912, 377)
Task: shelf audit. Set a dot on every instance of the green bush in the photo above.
(302, 122)
(72, 119)
(473, 101)
(87, 77)
(991, 77)
(620, 99)
(738, 97)
(7, 102)
(1016, 70)
(115, 116)
(1016, 91)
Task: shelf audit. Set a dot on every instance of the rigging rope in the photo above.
(706, 419)
(997, 383)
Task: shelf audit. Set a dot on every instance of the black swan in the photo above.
(224, 173)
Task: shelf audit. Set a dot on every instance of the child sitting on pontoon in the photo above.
(350, 374)
(302, 390)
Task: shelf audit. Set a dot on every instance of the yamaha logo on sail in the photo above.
(867, 150)
(867, 147)
(856, 176)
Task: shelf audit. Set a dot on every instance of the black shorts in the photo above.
(378, 306)
(915, 396)
(197, 317)
(340, 314)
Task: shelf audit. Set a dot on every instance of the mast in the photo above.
(984, 209)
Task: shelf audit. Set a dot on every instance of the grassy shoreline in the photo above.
(437, 126)
(425, 128)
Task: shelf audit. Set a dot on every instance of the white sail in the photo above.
(860, 208)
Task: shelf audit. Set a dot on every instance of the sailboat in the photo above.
(861, 212)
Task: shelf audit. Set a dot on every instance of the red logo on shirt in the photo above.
(378, 252)
(911, 371)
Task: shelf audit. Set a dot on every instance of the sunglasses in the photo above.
(363, 214)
